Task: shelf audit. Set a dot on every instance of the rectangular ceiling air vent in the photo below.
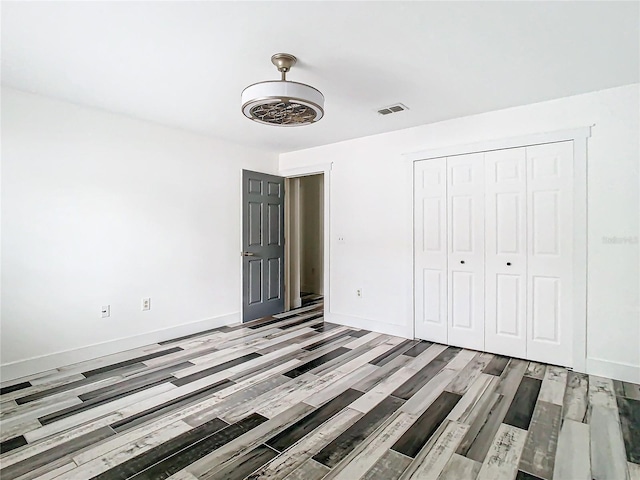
(398, 107)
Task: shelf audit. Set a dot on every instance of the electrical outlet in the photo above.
(146, 303)
(359, 293)
(341, 239)
(106, 311)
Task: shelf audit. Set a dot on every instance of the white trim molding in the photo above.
(500, 144)
(615, 370)
(405, 331)
(33, 365)
(579, 137)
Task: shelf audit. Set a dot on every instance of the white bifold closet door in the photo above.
(494, 251)
(465, 209)
(430, 243)
(550, 253)
(506, 252)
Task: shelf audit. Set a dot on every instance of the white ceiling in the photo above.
(185, 64)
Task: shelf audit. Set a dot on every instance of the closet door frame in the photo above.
(579, 137)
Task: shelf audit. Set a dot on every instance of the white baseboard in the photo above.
(615, 370)
(405, 331)
(33, 365)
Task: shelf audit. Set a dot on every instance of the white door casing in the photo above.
(430, 240)
(506, 252)
(549, 245)
(465, 221)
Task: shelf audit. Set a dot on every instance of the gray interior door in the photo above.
(262, 245)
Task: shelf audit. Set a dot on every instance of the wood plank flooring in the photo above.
(292, 397)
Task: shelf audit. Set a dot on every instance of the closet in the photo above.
(493, 251)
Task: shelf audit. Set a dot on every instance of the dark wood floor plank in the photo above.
(14, 388)
(416, 437)
(327, 327)
(131, 361)
(245, 465)
(496, 365)
(389, 355)
(339, 448)
(198, 449)
(96, 402)
(12, 444)
(426, 374)
(305, 367)
(125, 370)
(310, 320)
(215, 369)
(382, 373)
(163, 374)
(356, 333)
(48, 456)
(140, 463)
(418, 348)
(301, 428)
(629, 410)
(327, 341)
(172, 405)
(526, 476)
(521, 409)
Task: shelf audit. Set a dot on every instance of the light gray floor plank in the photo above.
(470, 403)
(536, 370)
(553, 385)
(576, 397)
(460, 468)
(467, 376)
(608, 458)
(389, 467)
(309, 470)
(601, 392)
(573, 456)
(504, 454)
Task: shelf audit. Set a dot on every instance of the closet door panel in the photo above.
(550, 243)
(430, 230)
(465, 198)
(506, 254)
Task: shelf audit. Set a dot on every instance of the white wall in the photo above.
(311, 233)
(100, 209)
(371, 207)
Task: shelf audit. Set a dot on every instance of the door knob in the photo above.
(461, 261)
(508, 264)
(247, 254)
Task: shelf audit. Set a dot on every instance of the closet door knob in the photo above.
(509, 264)
(461, 261)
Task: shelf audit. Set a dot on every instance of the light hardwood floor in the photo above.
(293, 397)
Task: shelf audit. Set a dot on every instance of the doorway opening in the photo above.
(304, 244)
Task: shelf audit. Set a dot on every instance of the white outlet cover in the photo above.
(105, 311)
(146, 303)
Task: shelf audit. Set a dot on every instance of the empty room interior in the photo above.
(320, 240)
